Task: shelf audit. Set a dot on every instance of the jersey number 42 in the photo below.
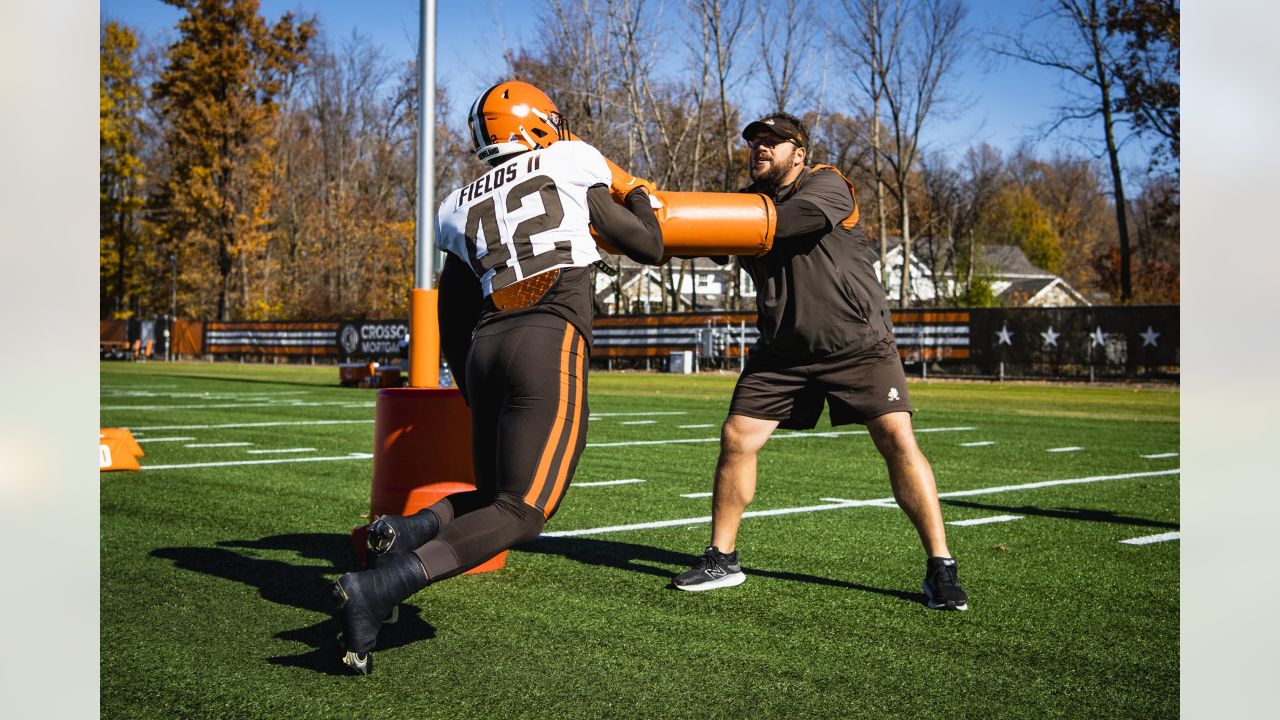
(482, 222)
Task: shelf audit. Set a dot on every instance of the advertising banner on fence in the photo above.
(371, 338)
(271, 338)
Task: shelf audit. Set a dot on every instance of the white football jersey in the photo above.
(526, 216)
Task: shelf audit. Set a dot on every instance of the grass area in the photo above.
(215, 576)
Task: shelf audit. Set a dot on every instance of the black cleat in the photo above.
(712, 570)
(942, 585)
(367, 599)
(391, 534)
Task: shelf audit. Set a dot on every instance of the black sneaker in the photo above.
(396, 534)
(366, 599)
(713, 570)
(942, 585)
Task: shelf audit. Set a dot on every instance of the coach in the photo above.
(825, 335)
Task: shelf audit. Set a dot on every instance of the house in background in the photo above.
(1014, 280)
(704, 286)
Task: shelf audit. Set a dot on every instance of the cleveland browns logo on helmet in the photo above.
(513, 117)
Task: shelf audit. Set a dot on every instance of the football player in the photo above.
(515, 316)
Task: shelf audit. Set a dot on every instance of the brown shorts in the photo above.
(857, 388)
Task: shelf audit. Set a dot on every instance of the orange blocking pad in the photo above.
(421, 453)
(118, 450)
(701, 224)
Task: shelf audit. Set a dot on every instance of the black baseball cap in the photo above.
(785, 126)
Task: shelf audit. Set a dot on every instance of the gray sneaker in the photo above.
(712, 570)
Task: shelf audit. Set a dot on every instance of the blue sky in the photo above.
(1006, 101)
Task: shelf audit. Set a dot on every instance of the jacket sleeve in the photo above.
(634, 229)
(799, 217)
(458, 312)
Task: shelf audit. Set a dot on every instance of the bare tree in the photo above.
(724, 24)
(874, 49)
(912, 79)
(786, 46)
(1086, 57)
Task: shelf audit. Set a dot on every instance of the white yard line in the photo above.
(690, 427)
(279, 451)
(281, 404)
(217, 445)
(352, 456)
(636, 414)
(278, 423)
(1149, 539)
(214, 395)
(885, 503)
(639, 422)
(164, 439)
(696, 495)
(1065, 449)
(627, 481)
(1160, 455)
(783, 436)
(856, 503)
(986, 520)
(978, 444)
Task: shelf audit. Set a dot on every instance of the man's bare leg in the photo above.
(912, 479)
(741, 438)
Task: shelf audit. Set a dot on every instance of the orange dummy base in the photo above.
(421, 453)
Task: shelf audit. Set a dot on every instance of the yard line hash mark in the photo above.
(1149, 539)
(636, 414)
(1064, 449)
(276, 423)
(639, 422)
(1158, 456)
(281, 404)
(857, 503)
(164, 439)
(627, 481)
(352, 456)
(691, 427)
(281, 450)
(986, 520)
(217, 445)
(978, 444)
(696, 495)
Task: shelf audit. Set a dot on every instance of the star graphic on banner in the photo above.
(1006, 337)
(1050, 337)
(1097, 336)
(1149, 337)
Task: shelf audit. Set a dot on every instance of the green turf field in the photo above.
(217, 559)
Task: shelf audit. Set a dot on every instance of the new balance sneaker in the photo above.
(396, 534)
(942, 585)
(366, 599)
(712, 570)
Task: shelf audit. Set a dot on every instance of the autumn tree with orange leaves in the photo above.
(217, 98)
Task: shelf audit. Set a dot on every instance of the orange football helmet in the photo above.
(513, 117)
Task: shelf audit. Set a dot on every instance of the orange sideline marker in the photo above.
(118, 450)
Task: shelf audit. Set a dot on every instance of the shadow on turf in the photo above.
(642, 559)
(304, 586)
(1066, 514)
